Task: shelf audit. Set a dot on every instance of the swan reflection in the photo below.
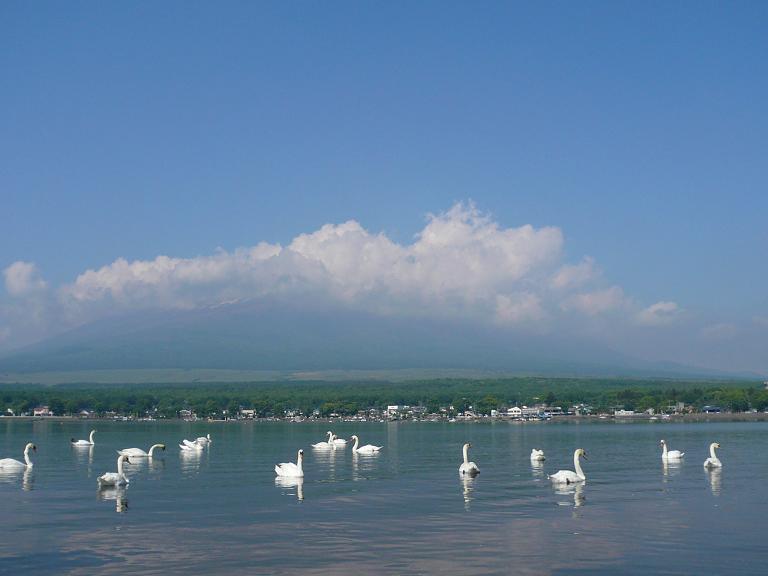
(190, 461)
(467, 487)
(362, 464)
(84, 456)
(115, 493)
(288, 482)
(715, 480)
(537, 469)
(14, 475)
(576, 490)
(671, 468)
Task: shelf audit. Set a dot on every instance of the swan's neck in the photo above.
(27, 459)
(299, 461)
(577, 465)
(465, 451)
(90, 436)
(330, 437)
(152, 449)
(356, 442)
(120, 467)
(664, 448)
(712, 451)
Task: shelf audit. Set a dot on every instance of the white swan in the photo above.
(11, 464)
(327, 444)
(670, 454)
(289, 469)
(88, 442)
(367, 449)
(713, 461)
(115, 478)
(468, 467)
(537, 455)
(189, 445)
(332, 438)
(568, 476)
(204, 439)
(139, 453)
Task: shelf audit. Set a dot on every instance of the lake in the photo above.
(404, 511)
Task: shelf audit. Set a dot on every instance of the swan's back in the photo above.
(566, 477)
(11, 463)
(469, 468)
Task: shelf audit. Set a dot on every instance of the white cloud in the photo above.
(461, 264)
(575, 275)
(596, 302)
(22, 279)
(518, 308)
(658, 314)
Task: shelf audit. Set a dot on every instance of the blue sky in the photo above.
(638, 130)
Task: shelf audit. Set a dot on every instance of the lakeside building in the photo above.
(42, 411)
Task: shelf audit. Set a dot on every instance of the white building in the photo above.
(515, 412)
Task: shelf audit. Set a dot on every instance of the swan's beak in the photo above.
(34, 448)
(584, 455)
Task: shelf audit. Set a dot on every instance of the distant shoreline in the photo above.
(697, 417)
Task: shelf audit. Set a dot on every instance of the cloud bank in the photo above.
(462, 264)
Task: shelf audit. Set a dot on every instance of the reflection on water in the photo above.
(288, 483)
(467, 487)
(327, 457)
(116, 494)
(537, 469)
(363, 465)
(84, 457)
(671, 468)
(576, 491)
(16, 475)
(715, 480)
(190, 461)
(402, 503)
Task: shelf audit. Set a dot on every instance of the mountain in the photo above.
(270, 336)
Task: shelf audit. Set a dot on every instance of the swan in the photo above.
(713, 461)
(367, 449)
(115, 478)
(537, 455)
(468, 467)
(289, 469)
(139, 453)
(670, 454)
(88, 442)
(204, 439)
(188, 445)
(11, 464)
(332, 438)
(327, 444)
(568, 476)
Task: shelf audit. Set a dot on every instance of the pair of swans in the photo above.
(332, 442)
(88, 442)
(569, 476)
(670, 455)
(713, 461)
(468, 468)
(139, 453)
(115, 478)
(196, 445)
(11, 464)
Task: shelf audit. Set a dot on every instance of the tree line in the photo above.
(274, 399)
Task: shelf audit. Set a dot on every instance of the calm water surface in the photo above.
(405, 511)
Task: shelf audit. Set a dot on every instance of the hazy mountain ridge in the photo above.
(271, 338)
